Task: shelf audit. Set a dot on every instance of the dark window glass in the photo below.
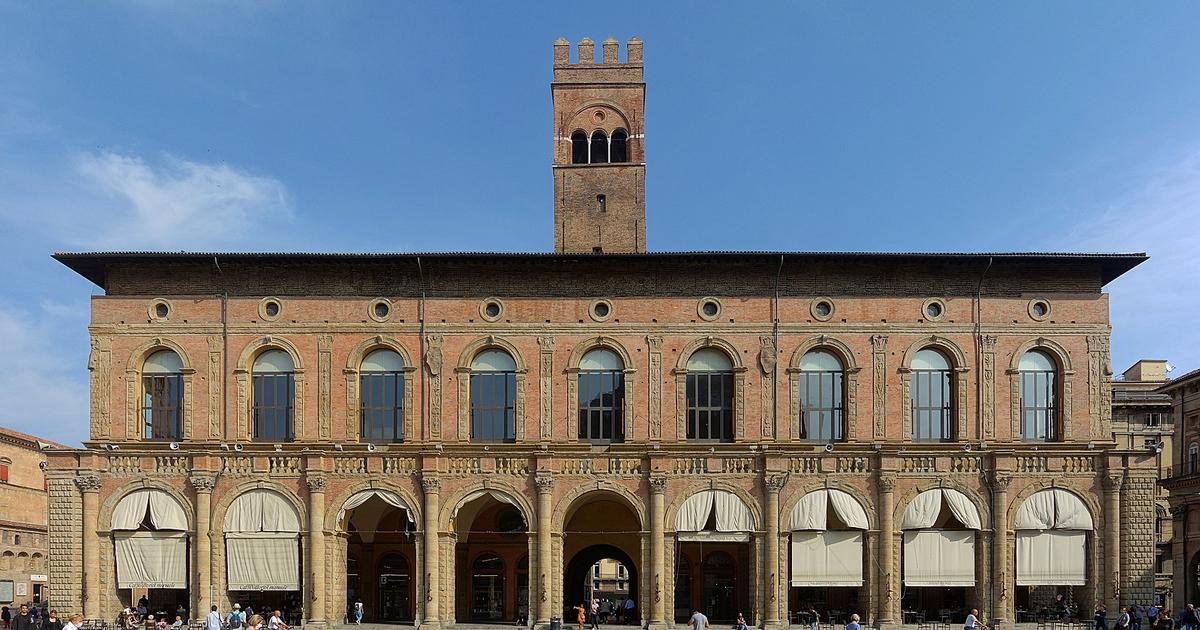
(162, 407)
(579, 148)
(601, 405)
(274, 397)
(1039, 419)
(382, 399)
(493, 416)
(599, 148)
(931, 405)
(822, 406)
(710, 406)
(619, 150)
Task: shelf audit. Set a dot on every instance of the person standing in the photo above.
(255, 622)
(698, 621)
(1123, 619)
(358, 613)
(853, 625)
(629, 606)
(814, 620)
(1139, 615)
(52, 621)
(237, 618)
(276, 622)
(213, 620)
(595, 610)
(1101, 618)
(6, 616)
(1164, 621)
(581, 615)
(23, 620)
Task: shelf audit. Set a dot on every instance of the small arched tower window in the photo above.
(619, 147)
(599, 148)
(579, 147)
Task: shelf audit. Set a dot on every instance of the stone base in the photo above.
(890, 625)
(316, 624)
(657, 625)
(775, 625)
(430, 625)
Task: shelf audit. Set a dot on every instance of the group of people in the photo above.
(247, 619)
(605, 611)
(1151, 617)
(33, 618)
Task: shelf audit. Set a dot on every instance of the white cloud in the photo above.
(1154, 306)
(43, 389)
(176, 204)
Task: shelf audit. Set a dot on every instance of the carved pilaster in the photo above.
(767, 359)
(546, 386)
(654, 343)
(739, 404)
(433, 363)
(215, 347)
(879, 384)
(243, 404)
(100, 366)
(324, 384)
(987, 378)
(519, 407)
(1099, 373)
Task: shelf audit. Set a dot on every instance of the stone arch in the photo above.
(958, 365)
(986, 518)
(143, 483)
(1066, 372)
(133, 384)
(456, 501)
(577, 120)
(488, 343)
(572, 371)
(353, 401)
(799, 492)
(221, 507)
(1056, 350)
(710, 341)
(572, 501)
(752, 502)
(337, 501)
(1034, 486)
(242, 371)
(850, 369)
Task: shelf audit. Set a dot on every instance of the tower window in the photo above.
(599, 148)
(579, 148)
(601, 203)
(619, 146)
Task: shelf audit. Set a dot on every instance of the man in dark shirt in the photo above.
(22, 621)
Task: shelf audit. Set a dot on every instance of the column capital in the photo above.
(1001, 481)
(1113, 482)
(1177, 511)
(202, 483)
(887, 483)
(316, 484)
(88, 483)
(544, 483)
(658, 485)
(774, 482)
(431, 485)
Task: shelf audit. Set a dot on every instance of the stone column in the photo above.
(889, 603)
(545, 486)
(1112, 540)
(90, 486)
(432, 487)
(202, 566)
(1180, 577)
(773, 483)
(1000, 577)
(658, 489)
(316, 548)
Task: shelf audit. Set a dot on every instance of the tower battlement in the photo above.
(609, 69)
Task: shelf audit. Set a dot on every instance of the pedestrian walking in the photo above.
(814, 620)
(1189, 618)
(23, 620)
(213, 620)
(1164, 621)
(237, 618)
(581, 615)
(255, 622)
(1123, 619)
(1101, 618)
(6, 616)
(52, 621)
(698, 621)
(595, 609)
(853, 625)
(358, 613)
(1139, 615)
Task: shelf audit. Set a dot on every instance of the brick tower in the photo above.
(599, 160)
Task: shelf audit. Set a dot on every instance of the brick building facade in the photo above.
(23, 509)
(1183, 485)
(458, 437)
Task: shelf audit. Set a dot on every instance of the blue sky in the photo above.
(389, 126)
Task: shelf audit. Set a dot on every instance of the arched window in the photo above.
(601, 397)
(709, 396)
(381, 392)
(579, 148)
(1039, 409)
(274, 396)
(619, 147)
(162, 396)
(822, 401)
(598, 153)
(931, 399)
(493, 397)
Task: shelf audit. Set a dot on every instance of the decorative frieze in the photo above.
(433, 363)
(654, 343)
(324, 385)
(987, 379)
(546, 386)
(879, 384)
(215, 372)
(100, 366)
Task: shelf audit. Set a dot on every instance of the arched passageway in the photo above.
(491, 559)
(380, 556)
(601, 526)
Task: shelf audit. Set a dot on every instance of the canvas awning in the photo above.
(939, 557)
(811, 511)
(730, 512)
(387, 496)
(262, 543)
(925, 508)
(827, 558)
(164, 511)
(1052, 527)
(147, 559)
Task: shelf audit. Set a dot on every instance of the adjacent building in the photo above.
(455, 437)
(23, 510)
(1183, 486)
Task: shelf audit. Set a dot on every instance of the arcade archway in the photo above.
(602, 531)
(491, 559)
(380, 556)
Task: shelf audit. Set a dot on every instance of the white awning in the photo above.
(731, 513)
(387, 496)
(151, 559)
(486, 492)
(267, 561)
(261, 511)
(939, 557)
(811, 511)
(1053, 508)
(924, 509)
(713, 537)
(1056, 557)
(828, 558)
(165, 511)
